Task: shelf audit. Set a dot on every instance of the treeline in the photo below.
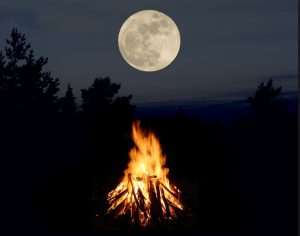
(28, 95)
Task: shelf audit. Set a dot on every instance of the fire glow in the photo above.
(145, 194)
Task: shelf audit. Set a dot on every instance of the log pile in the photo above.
(163, 208)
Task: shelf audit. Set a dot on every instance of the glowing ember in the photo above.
(144, 192)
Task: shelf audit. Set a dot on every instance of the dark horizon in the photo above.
(224, 112)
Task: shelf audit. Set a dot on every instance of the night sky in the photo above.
(227, 50)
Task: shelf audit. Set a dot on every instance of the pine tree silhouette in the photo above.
(180, 114)
(67, 104)
(264, 103)
(269, 113)
(27, 93)
(98, 96)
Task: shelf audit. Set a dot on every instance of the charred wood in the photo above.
(136, 219)
(173, 196)
(158, 198)
(115, 212)
(117, 197)
(182, 195)
(166, 204)
(153, 205)
(137, 202)
(142, 202)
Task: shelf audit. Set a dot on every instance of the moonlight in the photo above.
(149, 40)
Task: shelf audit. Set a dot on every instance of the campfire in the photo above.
(145, 197)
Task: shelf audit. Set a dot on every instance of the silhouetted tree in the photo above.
(98, 96)
(118, 112)
(264, 103)
(123, 103)
(68, 114)
(180, 114)
(27, 94)
(159, 117)
(268, 112)
(67, 104)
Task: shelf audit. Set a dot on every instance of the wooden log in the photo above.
(180, 214)
(153, 205)
(185, 198)
(134, 208)
(137, 202)
(136, 218)
(115, 212)
(140, 193)
(173, 206)
(117, 197)
(115, 204)
(173, 190)
(158, 183)
(120, 208)
(182, 199)
(181, 193)
(173, 196)
(142, 202)
(166, 204)
(131, 204)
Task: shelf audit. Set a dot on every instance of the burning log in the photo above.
(115, 212)
(136, 217)
(182, 195)
(158, 199)
(175, 200)
(154, 205)
(134, 205)
(117, 197)
(166, 204)
(174, 188)
(180, 214)
(142, 202)
(139, 206)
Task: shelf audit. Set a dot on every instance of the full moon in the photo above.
(149, 40)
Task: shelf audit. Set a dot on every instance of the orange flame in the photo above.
(146, 161)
